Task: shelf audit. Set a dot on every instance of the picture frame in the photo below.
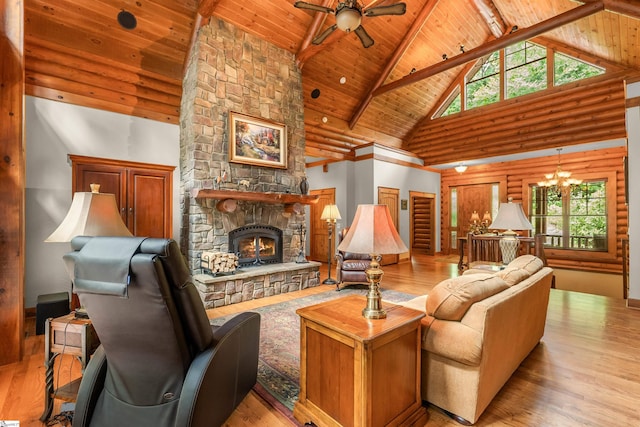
(256, 141)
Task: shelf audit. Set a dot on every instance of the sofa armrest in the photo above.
(220, 377)
(453, 340)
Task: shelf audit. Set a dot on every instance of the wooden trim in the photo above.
(632, 102)
(285, 198)
(633, 303)
(12, 176)
(74, 158)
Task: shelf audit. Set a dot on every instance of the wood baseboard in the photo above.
(633, 303)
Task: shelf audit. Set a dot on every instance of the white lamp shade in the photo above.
(90, 214)
(511, 217)
(330, 213)
(373, 232)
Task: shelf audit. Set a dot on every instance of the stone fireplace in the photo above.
(228, 71)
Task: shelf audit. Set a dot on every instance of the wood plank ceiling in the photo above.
(77, 52)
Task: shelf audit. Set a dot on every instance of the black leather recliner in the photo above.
(350, 266)
(160, 363)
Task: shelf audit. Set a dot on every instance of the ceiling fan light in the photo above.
(348, 19)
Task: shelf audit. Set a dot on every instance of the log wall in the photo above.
(586, 111)
(511, 177)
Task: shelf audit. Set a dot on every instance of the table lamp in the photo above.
(510, 217)
(90, 214)
(331, 214)
(372, 232)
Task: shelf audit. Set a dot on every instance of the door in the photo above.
(319, 233)
(476, 197)
(391, 198)
(422, 214)
(143, 191)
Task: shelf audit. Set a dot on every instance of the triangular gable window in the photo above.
(525, 70)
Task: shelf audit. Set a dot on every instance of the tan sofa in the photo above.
(479, 327)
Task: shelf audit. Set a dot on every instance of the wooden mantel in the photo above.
(228, 198)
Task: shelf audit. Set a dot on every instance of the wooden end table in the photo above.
(356, 371)
(66, 335)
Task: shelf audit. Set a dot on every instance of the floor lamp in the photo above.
(331, 214)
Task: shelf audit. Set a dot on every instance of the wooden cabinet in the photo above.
(356, 371)
(143, 191)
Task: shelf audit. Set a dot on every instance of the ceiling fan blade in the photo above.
(364, 37)
(392, 9)
(310, 6)
(319, 39)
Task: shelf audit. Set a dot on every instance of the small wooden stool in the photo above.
(50, 305)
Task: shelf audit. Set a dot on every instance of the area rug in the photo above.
(279, 356)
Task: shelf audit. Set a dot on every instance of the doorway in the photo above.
(319, 232)
(391, 198)
(422, 212)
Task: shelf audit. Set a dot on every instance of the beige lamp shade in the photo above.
(373, 232)
(475, 217)
(511, 217)
(330, 213)
(90, 214)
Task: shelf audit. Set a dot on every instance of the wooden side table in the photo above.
(356, 371)
(66, 335)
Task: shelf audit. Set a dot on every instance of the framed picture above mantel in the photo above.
(257, 141)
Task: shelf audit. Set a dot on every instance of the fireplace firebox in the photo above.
(256, 244)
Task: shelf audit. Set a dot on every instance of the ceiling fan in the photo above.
(349, 14)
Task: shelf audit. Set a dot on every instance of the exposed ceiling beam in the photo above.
(630, 8)
(492, 17)
(411, 34)
(317, 22)
(207, 7)
(480, 51)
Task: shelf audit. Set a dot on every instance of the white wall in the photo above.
(55, 130)
(633, 152)
(357, 183)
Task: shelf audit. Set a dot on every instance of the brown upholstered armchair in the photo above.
(350, 267)
(160, 362)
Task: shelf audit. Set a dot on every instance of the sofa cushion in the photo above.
(451, 298)
(513, 275)
(520, 269)
(530, 263)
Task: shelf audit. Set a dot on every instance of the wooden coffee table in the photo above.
(356, 371)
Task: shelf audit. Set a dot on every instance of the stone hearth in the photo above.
(256, 282)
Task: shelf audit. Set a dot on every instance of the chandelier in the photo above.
(560, 180)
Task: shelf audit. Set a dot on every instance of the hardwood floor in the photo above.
(585, 371)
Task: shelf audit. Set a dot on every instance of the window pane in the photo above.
(567, 69)
(454, 207)
(581, 226)
(483, 92)
(528, 78)
(453, 108)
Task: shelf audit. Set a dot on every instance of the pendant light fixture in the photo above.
(560, 180)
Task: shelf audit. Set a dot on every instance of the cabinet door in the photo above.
(112, 180)
(149, 202)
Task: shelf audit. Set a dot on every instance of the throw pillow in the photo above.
(451, 298)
